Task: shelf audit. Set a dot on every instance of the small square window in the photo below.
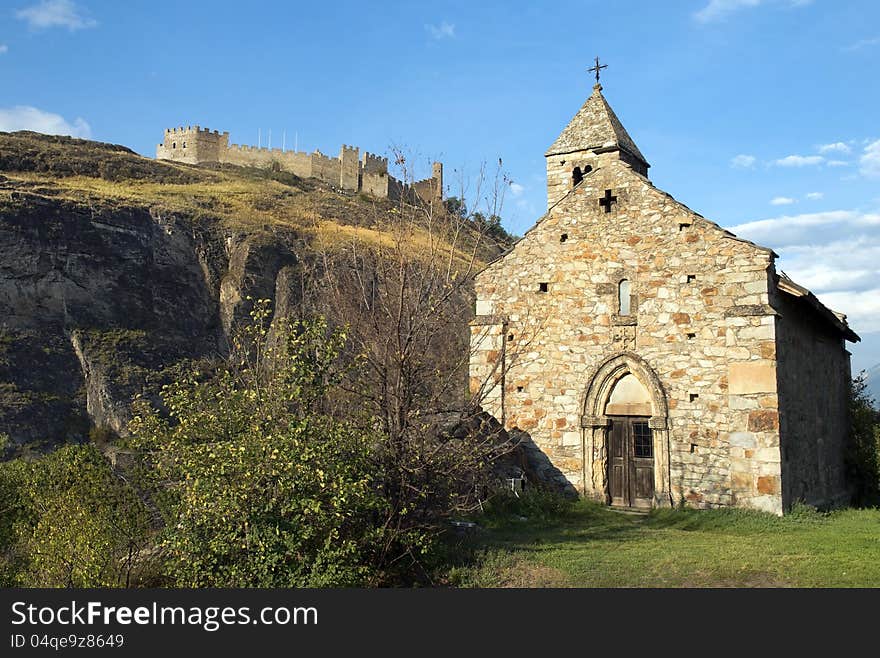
(543, 286)
(692, 336)
(563, 237)
(509, 338)
(693, 396)
(519, 389)
(691, 278)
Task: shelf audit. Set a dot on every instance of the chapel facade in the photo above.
(654, 357)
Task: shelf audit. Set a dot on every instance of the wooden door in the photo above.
(630, 462)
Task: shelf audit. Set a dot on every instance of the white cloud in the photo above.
(837, 163)
(836, 147)
(23, 117)
(55, 13)
(445, 30)
(516, 189)
(782, 201)
(3, 49)
(835, 254)
(815, 196)
(869, 163)
(863, 43)
(800, 229)
(862, 308)
(799, 160)
(718, 10)
(743, 161)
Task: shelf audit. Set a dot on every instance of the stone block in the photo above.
(763, 420)
(751, 377)
(768, 484)
(571, 438)
(742, 439)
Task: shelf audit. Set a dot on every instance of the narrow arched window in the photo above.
(623, 297)
(576, 176)
(174, 145)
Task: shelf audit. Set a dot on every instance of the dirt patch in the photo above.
(521, 573)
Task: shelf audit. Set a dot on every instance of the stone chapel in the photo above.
(654, 357)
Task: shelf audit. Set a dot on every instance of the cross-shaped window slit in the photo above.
(607, 201)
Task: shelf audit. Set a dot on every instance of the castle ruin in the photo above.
(351, 171)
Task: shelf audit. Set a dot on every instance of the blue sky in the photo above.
(761, 115)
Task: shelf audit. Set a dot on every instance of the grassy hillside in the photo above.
(98, 242)
(592, 546)
(109, 175)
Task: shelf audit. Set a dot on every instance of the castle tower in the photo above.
(349, 165)
(437, 177)
(594, 135)
(192, 145)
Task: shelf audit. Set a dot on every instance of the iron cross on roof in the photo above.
(597, 68)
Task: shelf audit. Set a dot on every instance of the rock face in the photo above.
(117, 271)
(100, 298)
(97, 302)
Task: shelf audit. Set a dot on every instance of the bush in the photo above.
(258, 487)
(534, 504)
(69, 521)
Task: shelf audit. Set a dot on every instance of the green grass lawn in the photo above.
(592, 546)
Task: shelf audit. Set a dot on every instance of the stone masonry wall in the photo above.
(814, 376)
(192, 145)
(700, 319)
(348, 172)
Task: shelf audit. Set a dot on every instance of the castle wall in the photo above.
(348, 172)
(814, 378)
(326, 169)
(349, 168)
(192, 145)
(375, 184)
(700, 319)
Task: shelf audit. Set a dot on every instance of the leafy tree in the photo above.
(69, 520)
(456, 207)
(257, 486)
(864, 447)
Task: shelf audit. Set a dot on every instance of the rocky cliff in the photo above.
(116, 269)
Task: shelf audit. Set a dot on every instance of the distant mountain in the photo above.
(872, 377)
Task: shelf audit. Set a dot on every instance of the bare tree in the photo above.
(404, 286)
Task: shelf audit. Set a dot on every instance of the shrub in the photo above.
(257, 486)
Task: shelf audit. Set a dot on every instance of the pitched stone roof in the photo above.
(595, 126)
(835, 319)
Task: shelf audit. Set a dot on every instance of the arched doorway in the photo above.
(626, 437)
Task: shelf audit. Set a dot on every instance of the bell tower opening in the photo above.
(595, 135)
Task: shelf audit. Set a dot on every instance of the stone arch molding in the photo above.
(595, 423)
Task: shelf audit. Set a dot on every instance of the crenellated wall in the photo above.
(350, 172)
